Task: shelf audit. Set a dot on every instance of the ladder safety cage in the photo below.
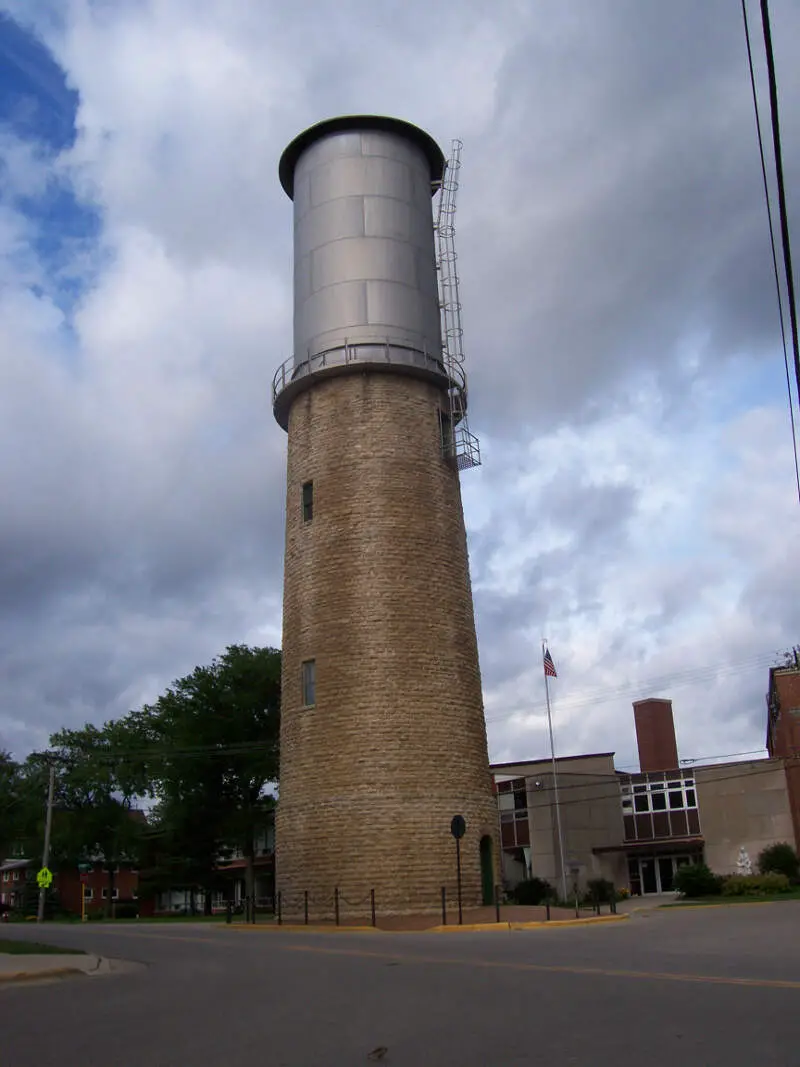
(459, 446)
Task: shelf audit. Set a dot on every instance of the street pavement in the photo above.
(705, 987)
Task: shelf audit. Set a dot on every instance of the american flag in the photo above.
(549, 666)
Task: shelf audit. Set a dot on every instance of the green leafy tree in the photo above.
(10, 803)
(779, 859)
(205, 751)
(94, 797)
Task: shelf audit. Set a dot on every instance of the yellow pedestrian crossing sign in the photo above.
(44, 879)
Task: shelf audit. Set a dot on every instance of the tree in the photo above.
(779, 859)
(94, 795)
(205, 751)
(10, 801)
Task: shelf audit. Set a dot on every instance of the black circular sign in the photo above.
(458, 826)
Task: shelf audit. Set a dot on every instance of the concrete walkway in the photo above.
(23, 968)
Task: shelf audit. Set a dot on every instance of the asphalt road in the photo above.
(700, 988)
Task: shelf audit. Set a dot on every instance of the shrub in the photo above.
(755, 885)
(532, 891)
(599, 891)
(779, 859)
(697, 880)
(127, 910)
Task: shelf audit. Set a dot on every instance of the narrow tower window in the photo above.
(309, 682)
(308, 501)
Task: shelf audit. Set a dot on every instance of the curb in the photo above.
(571, 922)
(541, 925)
(301, 928)
(718, 904)
(464, 928)
(34, 976)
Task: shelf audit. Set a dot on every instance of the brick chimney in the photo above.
(655, 734)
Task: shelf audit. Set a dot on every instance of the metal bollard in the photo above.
(372, 905)
(547, 910)
(444, 906)
(228, 911)
(280, 916)
(305, 906)
(497, 903)
(336, 904)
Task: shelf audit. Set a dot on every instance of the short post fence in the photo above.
(444, 906)
(305, 907)
(497, 902)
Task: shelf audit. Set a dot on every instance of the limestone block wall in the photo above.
(377, 593)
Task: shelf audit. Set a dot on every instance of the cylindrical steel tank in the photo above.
(383, 738)
(365, 285)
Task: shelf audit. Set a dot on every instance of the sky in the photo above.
(636, 505)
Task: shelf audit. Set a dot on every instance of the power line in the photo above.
(776, 143)
(772, 243)
(688, 677)
(769, 767)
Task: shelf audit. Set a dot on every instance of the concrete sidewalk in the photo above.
(23, 968)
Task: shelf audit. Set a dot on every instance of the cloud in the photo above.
(635, 506)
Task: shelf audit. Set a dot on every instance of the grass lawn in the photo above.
(774, 898)
(33, 948)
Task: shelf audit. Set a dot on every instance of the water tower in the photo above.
(383, 737)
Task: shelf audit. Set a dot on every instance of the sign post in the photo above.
(84, 869)
(458, 827)
(44, 885)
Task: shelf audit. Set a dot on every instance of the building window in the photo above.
(308, 501)
(114, 895)
(16, 876)
(88, 893)
(309, 683)
(659, 805)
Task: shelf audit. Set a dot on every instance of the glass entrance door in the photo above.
(655, 874)
(649, 875)
(665, 874)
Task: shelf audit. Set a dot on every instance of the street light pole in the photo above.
(47, 828)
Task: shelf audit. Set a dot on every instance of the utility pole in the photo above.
(47, 827)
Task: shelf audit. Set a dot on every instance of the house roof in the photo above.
(15, 865)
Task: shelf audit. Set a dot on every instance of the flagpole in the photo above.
(555, 782)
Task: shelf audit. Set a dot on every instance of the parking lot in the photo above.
(700, 987)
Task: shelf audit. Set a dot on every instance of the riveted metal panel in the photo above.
(328, 148)
(368, 229)
(302, 280)
(337, 309)
(363, 259)
(330, 222)
(359, 176)
(384, 217)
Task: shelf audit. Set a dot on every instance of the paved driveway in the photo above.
(695, 988)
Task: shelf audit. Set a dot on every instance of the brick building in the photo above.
(637, 829)
(783, 729)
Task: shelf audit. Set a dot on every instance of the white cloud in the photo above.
(617, 296)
